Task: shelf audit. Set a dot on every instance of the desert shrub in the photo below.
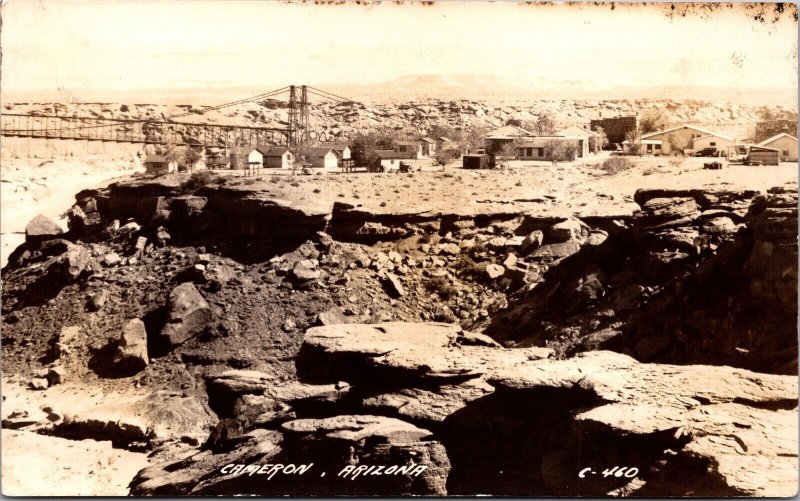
(295, 184)
(467, 267)
(197, 180)
(614, 165)
(440, 286)
(561, 151)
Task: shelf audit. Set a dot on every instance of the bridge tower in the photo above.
(298, 115)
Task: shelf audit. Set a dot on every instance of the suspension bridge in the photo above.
(173, 130)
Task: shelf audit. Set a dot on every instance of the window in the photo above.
(541, 152)
(529, 152)
(785, 153)
(658, 146)
(712, 143)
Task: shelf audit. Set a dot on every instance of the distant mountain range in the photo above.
(489, 88)
(493, 87)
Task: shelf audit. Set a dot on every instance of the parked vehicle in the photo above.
(404, 167)
(713, 165)
(737, 153)
(707, 152)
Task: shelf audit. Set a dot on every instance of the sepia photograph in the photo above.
(382, 249)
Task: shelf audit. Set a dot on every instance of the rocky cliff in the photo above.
(489, 420)
(345, 119)
(495, 351)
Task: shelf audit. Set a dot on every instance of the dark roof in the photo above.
(335, 145)
(241, 150)
(391, 154)
(155, 159)
(272, 151)
(322, 150)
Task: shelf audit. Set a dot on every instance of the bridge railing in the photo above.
(144, 131)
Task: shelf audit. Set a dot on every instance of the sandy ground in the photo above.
(41, 465)
(540, 189)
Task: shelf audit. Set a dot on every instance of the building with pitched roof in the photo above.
(276, 157)
(681, 139)
(409, 149)
(325, 157)
(785, 143)
(158, 164)
(245, 157)
(342, 148)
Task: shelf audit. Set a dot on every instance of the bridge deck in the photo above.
(123, 130)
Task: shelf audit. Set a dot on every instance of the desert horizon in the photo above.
(489, 88)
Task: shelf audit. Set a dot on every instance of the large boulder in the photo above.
(131, 356)
(41, 228)
(189, 314)
(667, 212)
(569, 229)
(74, 263)
(67, 340)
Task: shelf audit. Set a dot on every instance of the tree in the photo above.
(303, 154)
(173, 153)
(445, 156)
(471, 139)
(599, 142)
(529, 125)
(507, 151)
(653, 120)
(766, 114)
(385, 138)
(442, 130)
(677, 144)
(546, 124)
(190, 157)
(561, 151)
(634, 139)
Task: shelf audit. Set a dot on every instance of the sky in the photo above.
(145, 44)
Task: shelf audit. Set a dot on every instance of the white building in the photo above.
(158, 164)
(325, 157)
(785, 144)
